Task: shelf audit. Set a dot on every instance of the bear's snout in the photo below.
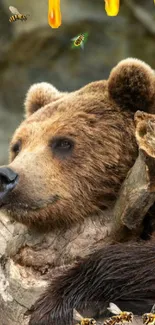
(8, 181)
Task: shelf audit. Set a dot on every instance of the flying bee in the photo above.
(149, 319)
(16, 15)
(79, 40)
(81, 320)
(121, 318)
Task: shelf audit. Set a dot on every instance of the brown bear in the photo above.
(68, 159)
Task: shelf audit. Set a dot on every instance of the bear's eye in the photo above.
(61, 146)
(16, 147)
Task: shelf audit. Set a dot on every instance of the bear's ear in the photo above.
(132, 85)
(40, 95)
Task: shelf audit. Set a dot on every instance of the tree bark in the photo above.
(28, 257)
(137, 193)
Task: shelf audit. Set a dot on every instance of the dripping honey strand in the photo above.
(54, 13)
(112, 7)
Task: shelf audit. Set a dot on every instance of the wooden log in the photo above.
(137, 193)
(28, 257)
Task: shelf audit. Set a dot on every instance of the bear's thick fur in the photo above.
(72, 153)
(122, 273)
(73, 150)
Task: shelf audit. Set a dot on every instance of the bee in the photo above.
(149, 319)
(16, 15)
(121, 318)
(81, 320)
(79, 40)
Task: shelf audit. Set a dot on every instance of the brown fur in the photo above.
(132, 92)
(122, 273)
(40, 95)
(53, 189)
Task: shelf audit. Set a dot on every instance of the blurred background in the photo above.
(32, 51)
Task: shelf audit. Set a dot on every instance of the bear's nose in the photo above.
(8, 180)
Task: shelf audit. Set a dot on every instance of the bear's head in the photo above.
(70, 155)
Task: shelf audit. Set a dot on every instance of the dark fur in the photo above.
(121, 273)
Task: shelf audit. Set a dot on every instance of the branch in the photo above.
(137, 193)
(142, 16)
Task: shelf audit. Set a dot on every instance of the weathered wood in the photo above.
(137, 193)
(28, 257)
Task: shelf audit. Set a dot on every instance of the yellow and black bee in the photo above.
(79, 40)
(16, 15)
(81, 320)
(122, 317)
(149, 318)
